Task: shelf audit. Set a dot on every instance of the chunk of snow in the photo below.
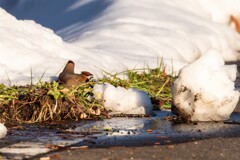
(3, 131)
(204, 90)
(123, 101)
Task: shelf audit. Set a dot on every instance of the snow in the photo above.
(204, 90)
(123, 101)
(111, 35)
(3, 131)
(115, 35)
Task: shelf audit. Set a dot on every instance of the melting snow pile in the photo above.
(3, 131)
(123, 101)
(204, 90)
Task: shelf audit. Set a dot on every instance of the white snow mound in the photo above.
(123, 101)
(3, 131)
(31, 51)
(204, 90)
(111, 35)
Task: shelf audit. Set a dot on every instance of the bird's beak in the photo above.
(90, 76)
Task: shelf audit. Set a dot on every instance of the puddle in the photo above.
(155, 130)
(30, 140)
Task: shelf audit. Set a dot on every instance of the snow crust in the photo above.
(123, 101)
(111, 35)
(3, 131)
(204, 90)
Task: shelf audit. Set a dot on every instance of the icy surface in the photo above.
(204, 90)
(123, 101)
(111, 35)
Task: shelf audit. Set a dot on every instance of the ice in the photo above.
(204, 90)
(123, 101)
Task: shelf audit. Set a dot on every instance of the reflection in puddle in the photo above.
(119, 131)
(143, 131)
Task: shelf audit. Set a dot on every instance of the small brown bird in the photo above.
(69, 78)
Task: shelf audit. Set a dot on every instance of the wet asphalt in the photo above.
(207, 149)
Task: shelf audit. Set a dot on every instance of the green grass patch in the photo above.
(49, 101)
(153, 81)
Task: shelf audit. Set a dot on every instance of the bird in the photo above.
(69, 78)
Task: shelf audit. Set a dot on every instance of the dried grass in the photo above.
(52, 102)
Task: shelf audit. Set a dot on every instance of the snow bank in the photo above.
(111, 35)
(26, 45)
(204, 90)
(28, 50)
(163, 28)
(3, 131)
(123, 101)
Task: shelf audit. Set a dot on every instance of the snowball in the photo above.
(123, 101)
(3, 131)
(204, 90)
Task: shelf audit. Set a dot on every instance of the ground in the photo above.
(215, 148)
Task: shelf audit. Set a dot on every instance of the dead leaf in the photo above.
(56, 156)
(170, 146)
(83, 115)
(44, 158)
(80, 147)
(236, 23)
(149, 130)
(64, 90)
(52, 146)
